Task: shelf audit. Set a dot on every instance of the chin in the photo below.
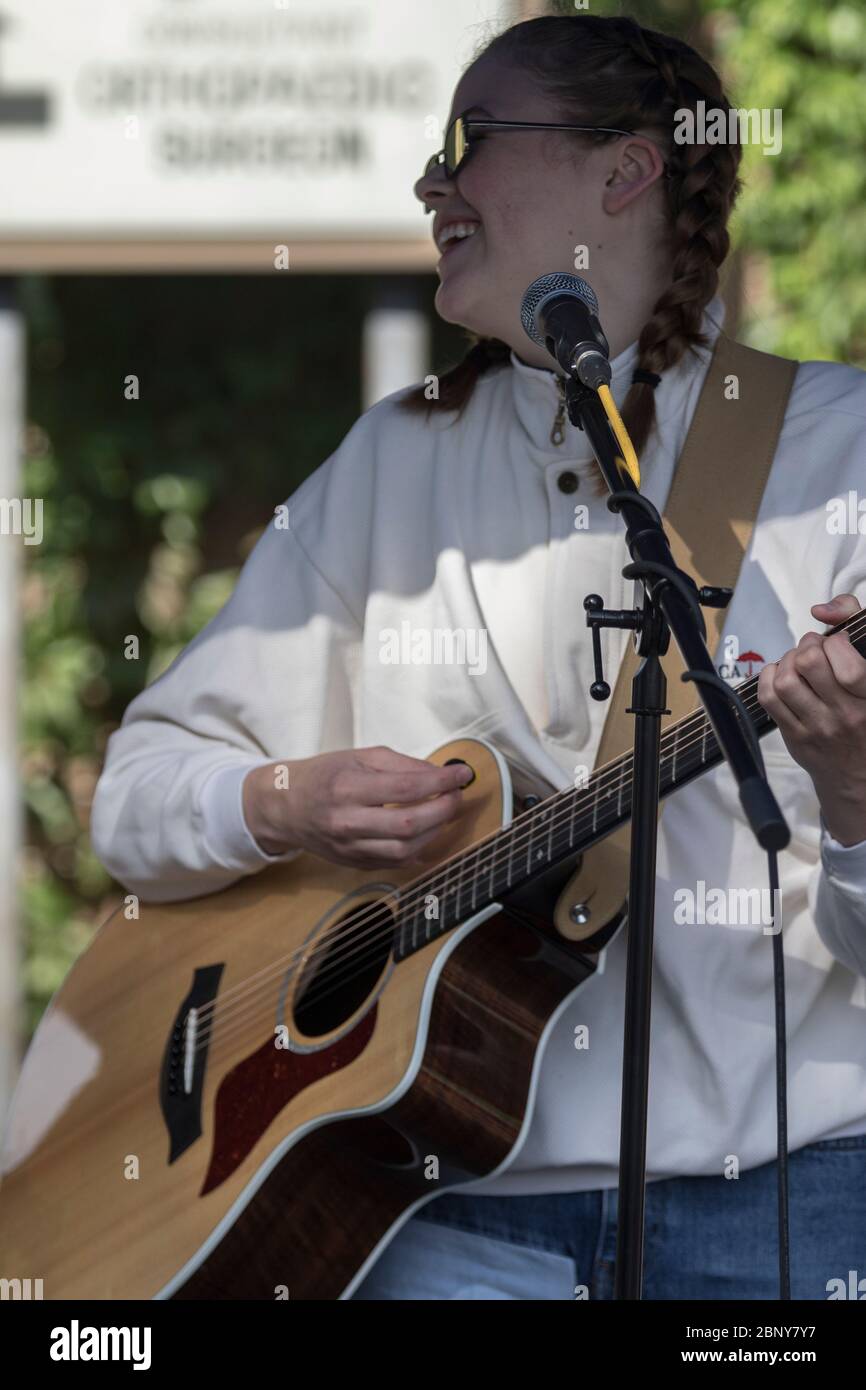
(459, 305)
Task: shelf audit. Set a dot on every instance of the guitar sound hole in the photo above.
(343, 969)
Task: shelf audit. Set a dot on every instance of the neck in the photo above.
(624, 314)
(623, 309)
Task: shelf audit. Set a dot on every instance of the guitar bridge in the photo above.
(184, 1060)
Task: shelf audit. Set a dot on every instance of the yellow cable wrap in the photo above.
(629, 457)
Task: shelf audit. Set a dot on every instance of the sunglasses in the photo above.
(460, 138)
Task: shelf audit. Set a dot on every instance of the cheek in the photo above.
(511, 223)
(499, 198)
(526, 214)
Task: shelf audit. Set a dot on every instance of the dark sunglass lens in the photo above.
(455, 145)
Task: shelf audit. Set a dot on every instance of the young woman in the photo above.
(458, 514)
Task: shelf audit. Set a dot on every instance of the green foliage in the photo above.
(800, 226)
(151, 505)
(804, 211)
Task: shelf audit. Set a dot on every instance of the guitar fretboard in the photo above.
(564, 825)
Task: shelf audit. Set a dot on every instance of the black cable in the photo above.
(781, 1085)
(779, 1005)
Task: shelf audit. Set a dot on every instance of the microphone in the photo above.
(560, 313)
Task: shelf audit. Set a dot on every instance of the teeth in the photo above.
(457, 230)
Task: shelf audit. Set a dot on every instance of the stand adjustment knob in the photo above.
(599, 690)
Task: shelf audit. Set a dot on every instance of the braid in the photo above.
(605, 71)
(457, 384)
(702, 187)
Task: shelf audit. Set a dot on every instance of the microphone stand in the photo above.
(670, 604)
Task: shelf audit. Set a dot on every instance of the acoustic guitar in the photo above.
(244, 1096)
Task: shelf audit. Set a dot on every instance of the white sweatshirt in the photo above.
(462, 525)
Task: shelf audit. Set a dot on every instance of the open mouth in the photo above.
(455, 234)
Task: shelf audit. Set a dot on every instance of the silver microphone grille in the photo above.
(542, 289)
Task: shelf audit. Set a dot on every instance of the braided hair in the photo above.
(613, 72)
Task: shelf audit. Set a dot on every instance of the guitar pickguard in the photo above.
(253, 1093)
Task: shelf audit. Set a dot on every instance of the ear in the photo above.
(638, 165)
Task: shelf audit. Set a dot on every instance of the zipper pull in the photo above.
(557, 433)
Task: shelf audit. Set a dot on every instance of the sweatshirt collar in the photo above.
(537, 396)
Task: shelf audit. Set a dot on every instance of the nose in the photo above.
(433, 187)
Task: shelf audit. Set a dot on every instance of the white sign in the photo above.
(174, 119)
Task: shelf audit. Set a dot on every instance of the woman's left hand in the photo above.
(817, 696)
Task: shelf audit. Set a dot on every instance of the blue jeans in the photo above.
(706, 1238)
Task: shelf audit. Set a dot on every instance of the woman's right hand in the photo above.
(365, 807)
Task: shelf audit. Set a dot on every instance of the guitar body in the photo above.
(244, 1096)
(199, 1117)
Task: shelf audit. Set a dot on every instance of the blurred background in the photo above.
(200, 199)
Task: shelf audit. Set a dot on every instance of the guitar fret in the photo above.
(413, 934)
(429, 921)
(605, 786)
(532, 858)
(457, 889)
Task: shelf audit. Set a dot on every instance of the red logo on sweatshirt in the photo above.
(746, 665)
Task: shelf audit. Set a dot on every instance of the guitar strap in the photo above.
(711, 509)
(709, 517)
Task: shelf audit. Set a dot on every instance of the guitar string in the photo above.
(363, 946)
(360, 944)
(361, 955)
(359, 939)
(591, 798)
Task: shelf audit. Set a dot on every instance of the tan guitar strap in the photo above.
(709, 516)
(712, 506)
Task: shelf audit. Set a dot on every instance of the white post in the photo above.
(12, 358)
(396, 344)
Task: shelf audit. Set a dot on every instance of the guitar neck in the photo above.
(566, 823)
